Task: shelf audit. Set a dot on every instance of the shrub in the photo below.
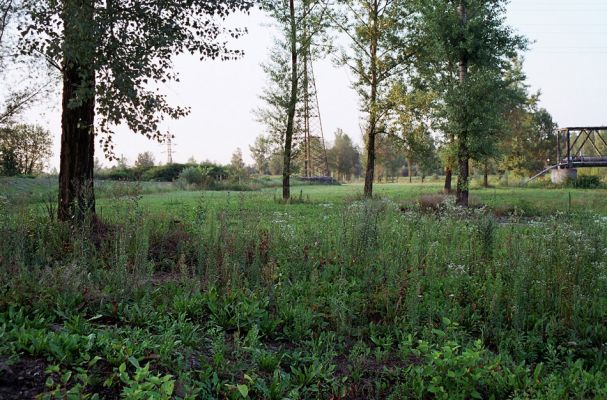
(192, 176)
(117, 174)
(588, 182)
(164, 173)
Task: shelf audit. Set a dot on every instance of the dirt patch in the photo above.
(24, 379)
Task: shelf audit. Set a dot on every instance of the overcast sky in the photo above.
(567, 62)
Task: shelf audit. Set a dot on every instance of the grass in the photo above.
(238, 295)
(532, 201)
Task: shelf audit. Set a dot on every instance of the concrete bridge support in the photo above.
(562, 175)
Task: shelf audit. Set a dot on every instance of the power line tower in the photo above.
(314, 149)
(168, 139)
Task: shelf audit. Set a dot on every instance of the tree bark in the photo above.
(486, 174)
(463, 155)
(286, 171)
(76, 188)
(410, 170)
(369, 176)
(448, 177)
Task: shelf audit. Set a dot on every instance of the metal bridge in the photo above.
(579, 147)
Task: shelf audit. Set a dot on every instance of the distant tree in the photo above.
(390, 158)
(261, 151)
(236, 161)
(344, 157)
(379, 53)
(275, 163)
(110, 55)
(97, 166)
(465, 50)
(411, 124)
(9, 166)
(428, 160)
(237, 164)
(145, 160)
(18, 95)
(29, 146)
(529, 140)
(122, 162)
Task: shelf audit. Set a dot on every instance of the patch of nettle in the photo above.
(357, 300)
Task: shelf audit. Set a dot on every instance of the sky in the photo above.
(567, 62)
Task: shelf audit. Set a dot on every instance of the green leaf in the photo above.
(134, 362)
(243, 390)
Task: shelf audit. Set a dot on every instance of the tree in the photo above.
(379, 52)
(275, 163)
(9, 165)
(529, 138)
(344, 157)
(110, 55)
(237, 164)
(26, 147)
(467, 49)
(122, 162)
(390, 157)
(145, 160)
(410, 124)
(18, 97)
(301, 23)
(261, 152)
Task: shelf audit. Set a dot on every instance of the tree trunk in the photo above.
(486, 175)
(448, 177)
(286, 171)
(369, 176)
(463, 155)
(410, 170)
(76, 190)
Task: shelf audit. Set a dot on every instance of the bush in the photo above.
(117, 174)
(588, 182)
(192, 176)
(163, 173)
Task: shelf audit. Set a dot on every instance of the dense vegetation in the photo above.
(158, 282)
(219, 295)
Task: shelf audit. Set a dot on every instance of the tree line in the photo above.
(439, 79)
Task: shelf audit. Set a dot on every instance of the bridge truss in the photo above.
(582, 147)
(579, 147)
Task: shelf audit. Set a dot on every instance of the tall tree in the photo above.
(302, 25)
(26, 84)
(411, 123)
(390, 158)
(344, 157)
(261, 152)
(27, 147)
(237, 164)
(378, 54)
(467, 49)
(110, 54)
(145, 160)
(529, 139)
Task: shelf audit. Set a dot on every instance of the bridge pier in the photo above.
(562, 175)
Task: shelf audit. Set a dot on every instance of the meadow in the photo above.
(235, 295)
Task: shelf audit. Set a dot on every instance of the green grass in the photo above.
(189, 294)
(532, 201)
